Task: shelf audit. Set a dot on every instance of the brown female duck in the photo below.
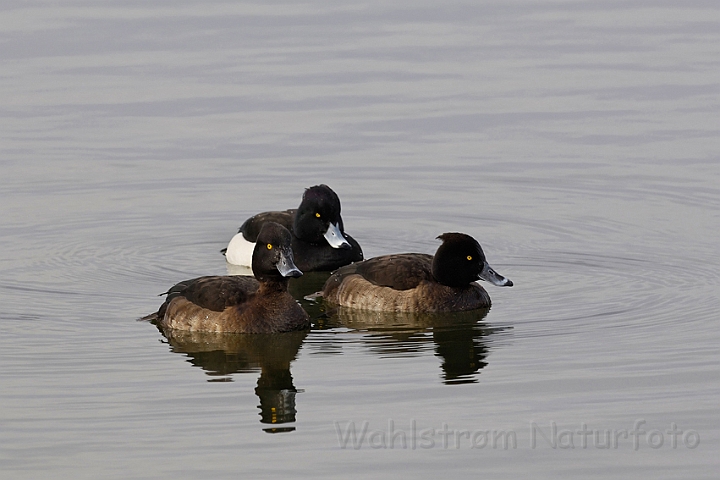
(240, 304)
(416, 282)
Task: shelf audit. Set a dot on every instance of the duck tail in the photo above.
(149, 318)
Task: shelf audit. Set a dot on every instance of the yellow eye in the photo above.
(469, 257)
(269, 246)
(317, 215)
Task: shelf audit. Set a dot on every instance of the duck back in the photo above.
(252, 226)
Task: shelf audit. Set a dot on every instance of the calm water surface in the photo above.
(577, 141)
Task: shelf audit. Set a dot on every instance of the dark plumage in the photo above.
(416, 282)
(319, 241)
(240, 304)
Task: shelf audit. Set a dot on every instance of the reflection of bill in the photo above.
(221, 354)
(459, 338)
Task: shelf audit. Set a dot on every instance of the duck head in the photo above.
(460, 261)
(273, 257)
(318, 218)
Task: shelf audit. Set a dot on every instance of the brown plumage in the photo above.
(240, 304)
(416, 282)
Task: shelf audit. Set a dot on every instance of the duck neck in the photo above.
(273, 284)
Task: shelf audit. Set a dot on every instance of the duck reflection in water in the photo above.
(459, 338)
(221, 355)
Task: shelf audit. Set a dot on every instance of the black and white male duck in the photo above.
(417, 282)
(319, 241)
(240, 304)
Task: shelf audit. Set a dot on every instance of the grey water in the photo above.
(576, 140)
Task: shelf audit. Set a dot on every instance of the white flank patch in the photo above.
(239, 251)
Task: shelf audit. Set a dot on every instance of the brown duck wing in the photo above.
(252, 226)
(400, 271)
(216, 292)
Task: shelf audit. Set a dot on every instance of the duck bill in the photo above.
(335, 238)
(490, 275)
(286, 265)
